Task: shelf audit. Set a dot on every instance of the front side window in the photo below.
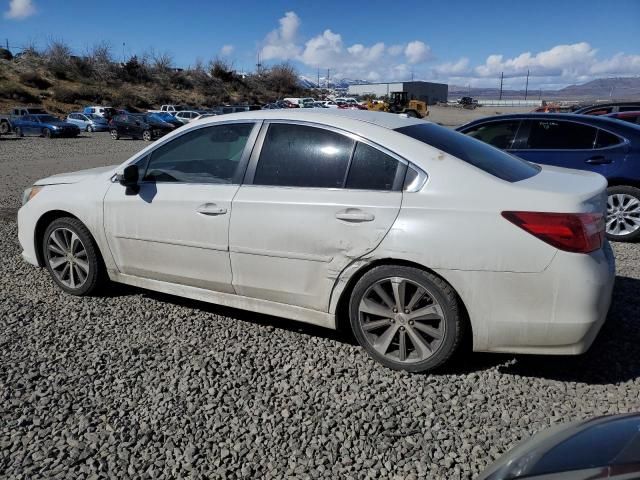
(371, 169)
(560, 135)
(302, 156)
(479, 154)
(206, 155)
(499, 134)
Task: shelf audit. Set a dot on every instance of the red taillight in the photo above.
(572, 232)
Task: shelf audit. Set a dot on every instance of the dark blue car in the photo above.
(598, 144)
(44, 125)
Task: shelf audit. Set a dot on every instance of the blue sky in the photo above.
(463, 42)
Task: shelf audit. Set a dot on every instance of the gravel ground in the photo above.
(136, 384)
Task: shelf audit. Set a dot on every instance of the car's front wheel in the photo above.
(114, 134)
(146, 136)
(406, 318)
(46, 133)
(72, 257)
(89, 128)
(623, 213)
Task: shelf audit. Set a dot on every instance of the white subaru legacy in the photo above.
(407, 233)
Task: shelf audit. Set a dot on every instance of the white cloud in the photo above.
(280, 44)
(417, 52)
(19, 9)
(395, 50)
(226, 50)
(461, 67)
(619, 64)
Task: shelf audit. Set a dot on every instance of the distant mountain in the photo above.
(620, 88)
(309, 82)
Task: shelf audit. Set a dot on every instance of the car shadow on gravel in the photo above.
(117, 290)
(614, 356)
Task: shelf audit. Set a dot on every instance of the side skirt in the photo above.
(266, 307)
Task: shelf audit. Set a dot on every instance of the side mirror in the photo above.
(129, 176)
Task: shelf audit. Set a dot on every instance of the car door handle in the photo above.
(598, 160)
(211, 209)
(355, 215)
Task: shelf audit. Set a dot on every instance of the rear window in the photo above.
(485, 157)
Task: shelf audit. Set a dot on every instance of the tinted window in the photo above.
(629, 108)
(371, 169)
(587, 449)
(206, 155)
(485, 157)
(559, 135)
(301, 156)
(499, 134)
(606, 139)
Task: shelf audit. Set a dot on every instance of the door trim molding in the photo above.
(205, 246)
(279, 254)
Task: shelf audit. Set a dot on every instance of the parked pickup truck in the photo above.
(172, 109)
(6, 121)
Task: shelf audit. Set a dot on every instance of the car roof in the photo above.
(593, 120)
(327, 116)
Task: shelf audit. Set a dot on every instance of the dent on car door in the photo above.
(314, 200)
(176, 227)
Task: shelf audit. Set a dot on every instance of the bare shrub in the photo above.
(33, 79)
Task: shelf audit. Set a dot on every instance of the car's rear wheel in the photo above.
(18, 132)
(406, 318)
(46, 133)
(4, 128)
(89, 128)
(146, 136)
(72, 257)
(623, 213)
(114, 134)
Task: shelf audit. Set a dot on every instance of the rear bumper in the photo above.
(558, 311)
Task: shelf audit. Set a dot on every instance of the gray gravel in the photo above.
(136, 384)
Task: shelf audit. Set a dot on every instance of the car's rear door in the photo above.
(176, 227)
(314, 200)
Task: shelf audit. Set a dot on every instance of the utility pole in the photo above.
(7, 43)
(318, 78)
(328, 72)
(501, 79)
(526, 88)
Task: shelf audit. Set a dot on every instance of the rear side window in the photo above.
(372, 169)
(302, 156)
(499, 134)
(560, 135)
(479, 154)
(606, 139)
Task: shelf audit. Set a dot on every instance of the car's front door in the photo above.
(176, 227)
(569, 144)
(314, 200)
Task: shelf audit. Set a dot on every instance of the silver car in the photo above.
(89, 122)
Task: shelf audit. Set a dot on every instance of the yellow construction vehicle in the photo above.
(399, 103)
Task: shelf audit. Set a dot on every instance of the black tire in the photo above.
(437, 289)
(18, 132)
(96, 275)
(46, 133)
(613, 206)
(4, 128)
(147, 136)
(89, 128)
(114, 134)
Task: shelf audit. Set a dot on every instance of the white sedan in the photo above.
(409, 234)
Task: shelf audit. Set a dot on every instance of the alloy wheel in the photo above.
(402, 320)
(114, 134)
(67, 257)
(623, 214)
(146, 136)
